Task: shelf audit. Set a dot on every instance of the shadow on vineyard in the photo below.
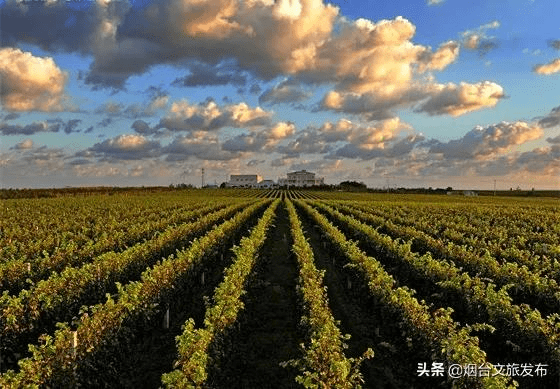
(501, 346)
(413, 281)
(267, 331)
(146, 349)
(367, 322)
(92, 294)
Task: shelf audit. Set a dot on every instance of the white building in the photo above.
(301, 178)
(244, 180)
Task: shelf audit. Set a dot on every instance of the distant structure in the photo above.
(244, 180)
(301, 178)
(266, 184)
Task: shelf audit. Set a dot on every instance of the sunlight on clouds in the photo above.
(549, 68)
(282, 130)
(30, 83)
(456, 100)
(290, 9)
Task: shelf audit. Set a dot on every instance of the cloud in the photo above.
(534, 52)
(103, 170)
(25, 145)
(359, 140)
(31, 83)
(555, 140)
(433, 99)
(245, 143)
(446, 54)
(208, 32)
(395, 149)
(453, 161)
(488, 142)
(126, 147)
(202, 145)
(204, 75)
(434, 2)
(29, 129)
(542, 160)
(105, 122)
(207, 116)
(285, 92)
(472, 41)
(375, 137)
(134, 110)
(111, 108)
(220, 41)
(79, 161)
(141, 127)
(321, 166)
(555, 44)
(255, 162)
(260, 141)
(11, 116)
(552, 119)
(280, 131)
(378, 58)
(41, 161)
(255, 89)
(456, 100)
(279, 162)
(48, 26)
(320, 140)
(549, 68)
(157, 103)
(307, 142)
(479, 40)
(71, 125)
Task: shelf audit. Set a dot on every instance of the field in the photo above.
(279, 289)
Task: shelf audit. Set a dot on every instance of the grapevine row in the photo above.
(323, 364)
(534, 285)
(59, 297)
(527, 326)
(13, 274)
(193, 344)
(509, 244)
(32, 227)
(54, 361)
(446, 340)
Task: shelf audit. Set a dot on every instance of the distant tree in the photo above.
(353, 186)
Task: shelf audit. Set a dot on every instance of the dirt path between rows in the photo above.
(369, 323)
(267, 332)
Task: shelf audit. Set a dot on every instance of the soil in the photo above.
(369, 323)
(268, 332)
(151, 349)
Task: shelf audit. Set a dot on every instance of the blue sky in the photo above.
(403, 93)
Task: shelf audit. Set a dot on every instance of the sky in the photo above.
(413, 93)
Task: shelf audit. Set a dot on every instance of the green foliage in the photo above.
(323, 364)
(192, 344)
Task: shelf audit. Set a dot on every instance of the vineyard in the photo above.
(279, 289)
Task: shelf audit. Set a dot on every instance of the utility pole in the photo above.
(494, 187)
(202, 178)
